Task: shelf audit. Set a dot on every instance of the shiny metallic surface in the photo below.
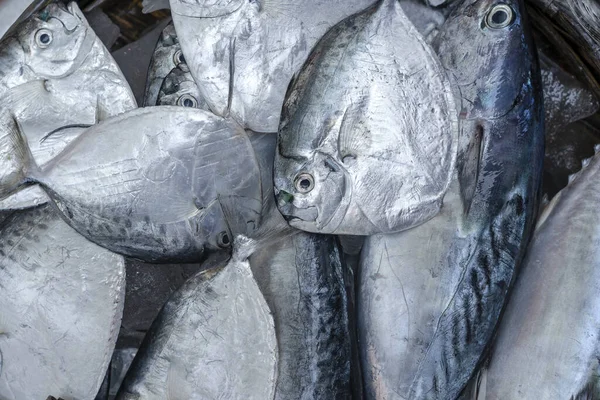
(13, 11)
(430, 298)
(160, 184)
(61, 307)
(243, 53)
(215, 338)
(375, 125)
(180, 89)
(162, 63)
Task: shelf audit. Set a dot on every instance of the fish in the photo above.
(368, 136)
(547, 343)
(14, 11)
(179, 89)
(56, 79)
(429, 299)
(242, 54)
(160, 184)
(214, 338)
(167, 55)
(62, 303)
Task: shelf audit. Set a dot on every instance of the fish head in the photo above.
(180, 89)
(56, 40)
(312, 193)
(215, 229)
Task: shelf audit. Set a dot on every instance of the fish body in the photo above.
(60, 309)
(367, 142)
(180, 89)
(161, 184)
(58, 87)
(429, 298)
(547, 345)
(242, 54)
(213, 339)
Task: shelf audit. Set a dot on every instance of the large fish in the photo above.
(547, 346)
(243, 53)
(368, 136)
(57, 77)
(429, 298)
(179, 89)
(213, 339)
(161, 184)
(60, 308)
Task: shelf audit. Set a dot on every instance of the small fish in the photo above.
(547, 344)
(367, 142)
(180, 89)
(242, 54)
(161, 184)
(167, 55)
(62, 302)
(214, 339)
(430, 298)
(56, 78)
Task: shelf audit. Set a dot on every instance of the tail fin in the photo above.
(16, 161)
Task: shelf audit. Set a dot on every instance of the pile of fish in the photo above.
(360, 180)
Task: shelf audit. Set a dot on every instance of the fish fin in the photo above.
(20, 165)
(155, 5)
(28, 95)
(231, 76)
(28, 197)
(181, 208)
(353, 138)
(177, 384)
(468, 168)
(591, 391)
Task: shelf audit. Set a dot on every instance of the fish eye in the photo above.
(43, 38)
(304, 182)
(500, 16)
(223, 240)
(178, 58)
(186, 100)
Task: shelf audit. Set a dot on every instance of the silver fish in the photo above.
(429, 298)
(368, 137)
(167, 55)
(56, 77)
(180, 89)
(547, 343)
(14, 11)
(158, 183)
(214, 339)
(61, 307)
(243, 53)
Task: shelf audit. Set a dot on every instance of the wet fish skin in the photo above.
(161, 184)
(180, 89)
(242, 54)
(355, 113)
(429, 298)
(62, 302)
(214, 338)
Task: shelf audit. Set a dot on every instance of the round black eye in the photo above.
(43, 38)
(223, 240)
(500, 16)
(304, 182)
(186, 100)
(178, 57)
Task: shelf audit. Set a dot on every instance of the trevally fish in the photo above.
(180, 89)
(56, 77)
(367, 142)
(547, 343)
(429, 298)
(214, 338)
(167, 55)
(158, 184)
(60, 309)
(242, 54)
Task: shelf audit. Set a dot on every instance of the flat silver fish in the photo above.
(243, 53)
(14, 11)
(547, 346)
(60, 309)
(214, 339)
(367, 142)
(56, 77)
(429, 298)
(180, 89)
(161, 184)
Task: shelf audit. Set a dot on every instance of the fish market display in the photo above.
(243, 54)
(56, 77)
(180, 89)
(213, 339)
(429, 298)
(547, 344)
(158, 184)
(368, 138)
(60, 308)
